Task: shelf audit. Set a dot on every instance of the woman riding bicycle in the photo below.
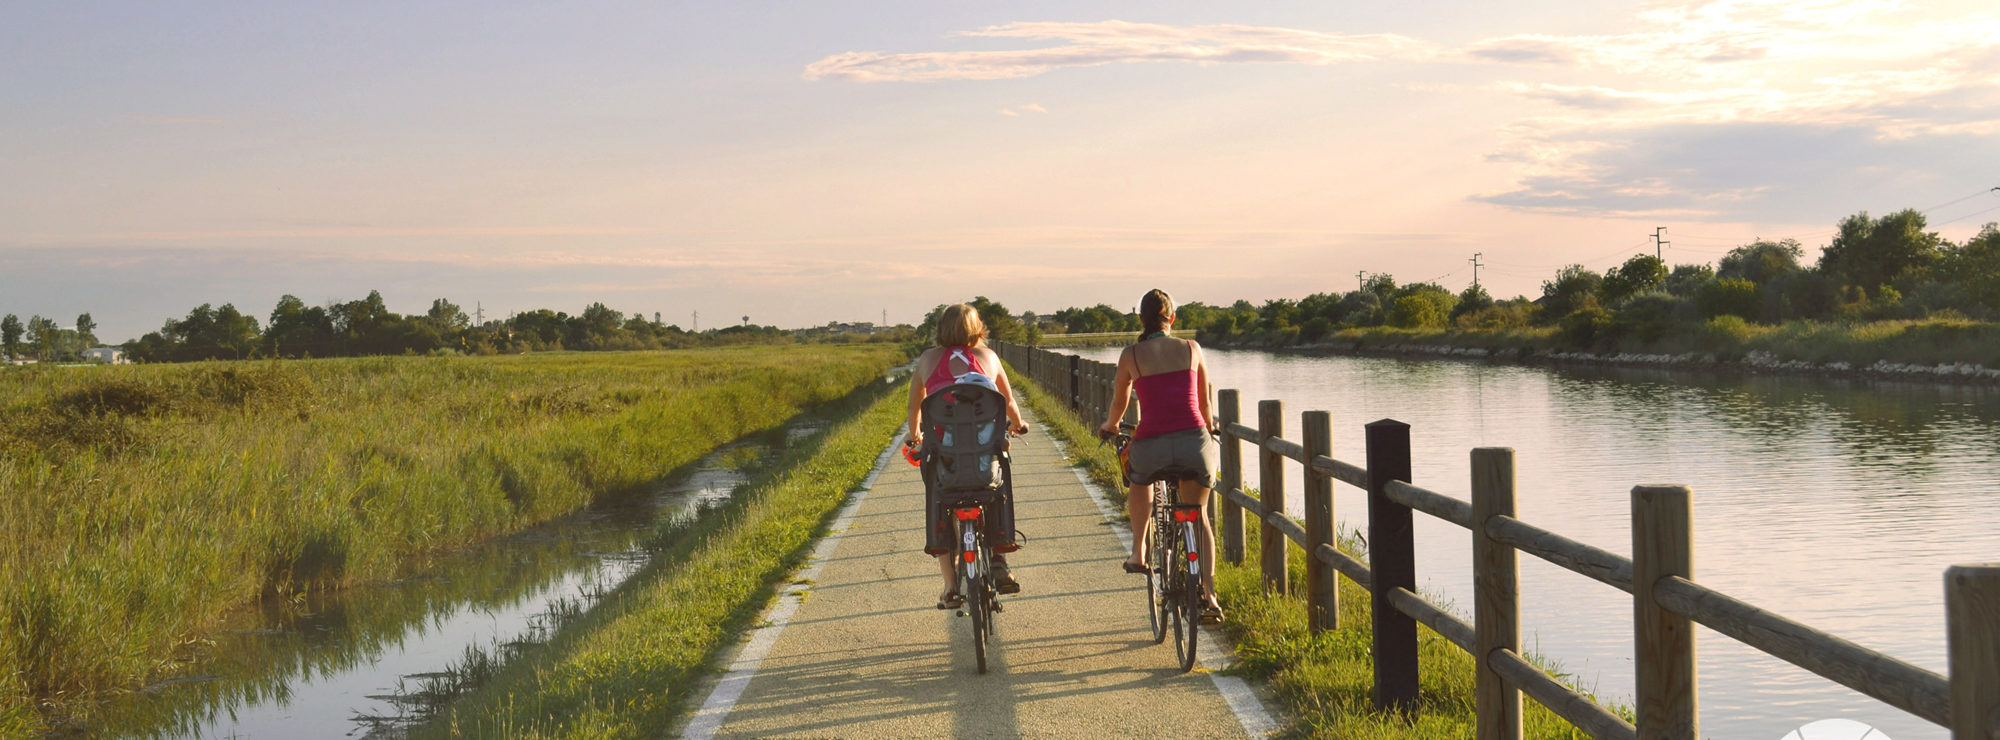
(961, 356)
(1175, 423)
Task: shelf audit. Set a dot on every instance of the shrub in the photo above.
(1583, 328)
(1422, 310)
(1648, 316)
(1728, 297)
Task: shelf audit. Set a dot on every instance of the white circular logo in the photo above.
(1836, 729)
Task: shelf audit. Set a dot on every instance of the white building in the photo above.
(106, 355)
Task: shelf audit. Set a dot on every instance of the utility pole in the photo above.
(1475, 268)
(1659, 245)
(1360, 280)
(478, 313)
(697, 321)
(885, 317)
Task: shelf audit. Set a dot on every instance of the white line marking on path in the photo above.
(708, 720)
(1250, 712)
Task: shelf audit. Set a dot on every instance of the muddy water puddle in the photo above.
(374, 660)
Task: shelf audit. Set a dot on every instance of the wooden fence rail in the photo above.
(1667, 601)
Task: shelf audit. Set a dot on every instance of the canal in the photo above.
(1835, 503)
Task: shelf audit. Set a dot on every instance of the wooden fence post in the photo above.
(1230, 412)
(1322, 581)
(1496, 608)
(1972, 625)
(1662, 641)
(1392, 562)
(1075, 381)
(1271, 482)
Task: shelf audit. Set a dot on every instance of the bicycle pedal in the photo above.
(998, 608)
(961, 612)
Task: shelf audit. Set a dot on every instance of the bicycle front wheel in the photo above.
(1159, 581)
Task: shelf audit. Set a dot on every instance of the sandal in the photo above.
(951, 600)
(1131, 567)
(1211, 615)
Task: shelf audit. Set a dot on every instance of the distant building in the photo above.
(106, 355)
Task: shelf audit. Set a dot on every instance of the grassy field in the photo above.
(625, 669)
(1326, 680)
(141, 503)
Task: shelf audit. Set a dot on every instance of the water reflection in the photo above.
(1835, 502)
(361, 661)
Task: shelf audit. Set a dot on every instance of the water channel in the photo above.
(368, 661)
(1835, 503)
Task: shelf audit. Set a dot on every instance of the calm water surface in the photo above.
(1837, 504)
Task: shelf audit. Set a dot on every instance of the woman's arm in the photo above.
(923, 368)
(1014, 421)
(1121, 391)
(1207, 388)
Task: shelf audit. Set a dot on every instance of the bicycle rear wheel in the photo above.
(977, 598)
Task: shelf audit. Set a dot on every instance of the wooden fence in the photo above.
(1666, 601)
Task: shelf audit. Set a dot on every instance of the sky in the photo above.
(799, 163)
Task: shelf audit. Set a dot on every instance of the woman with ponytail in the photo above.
(1176, 421)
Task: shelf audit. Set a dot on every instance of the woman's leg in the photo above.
(946, 565)
(1192, 492)
(1139, 506)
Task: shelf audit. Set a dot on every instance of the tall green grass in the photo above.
(627, 667)
(1326, 680)
(138, 504)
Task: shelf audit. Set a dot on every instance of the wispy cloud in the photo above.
(178, 121)
(1016, 111)
(1863, 73)
(1115, 42)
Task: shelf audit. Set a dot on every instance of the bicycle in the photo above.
(966, 460)
(1173, 583)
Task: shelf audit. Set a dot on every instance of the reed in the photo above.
(139, 504)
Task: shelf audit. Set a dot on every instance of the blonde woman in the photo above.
(961, 356)
(1176, 421)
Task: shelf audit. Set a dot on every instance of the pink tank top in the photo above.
(1168, 402)
(943, 376)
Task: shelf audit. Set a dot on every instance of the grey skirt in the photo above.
(1188, 454)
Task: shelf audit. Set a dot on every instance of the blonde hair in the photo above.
(960, 326)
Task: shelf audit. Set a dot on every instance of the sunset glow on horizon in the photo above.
(801, 164)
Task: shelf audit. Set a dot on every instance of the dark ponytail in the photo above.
(1155, 309)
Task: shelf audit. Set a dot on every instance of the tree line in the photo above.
(1890, 267)
(44, 340)
(366, 326)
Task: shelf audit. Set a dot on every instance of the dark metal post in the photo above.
(1392, 560)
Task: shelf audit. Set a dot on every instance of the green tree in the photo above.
(1685, 279)
(1473, 298)
(42, 335)
(1976, 265)
(298, 330)
(10, 336)
(86, 331)
(1728, 296)
(1893, 250)
(1427, 307)
(1761, 261)
(1573, 289)
(1640, 274)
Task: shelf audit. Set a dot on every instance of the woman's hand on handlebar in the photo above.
(913, 439)
(1020, 428)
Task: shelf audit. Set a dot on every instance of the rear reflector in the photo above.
(966, 515)
(1187, 515)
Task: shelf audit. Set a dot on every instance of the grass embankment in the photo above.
(626, 668)
(1327, 680)
(141, 503)
(1923, 342)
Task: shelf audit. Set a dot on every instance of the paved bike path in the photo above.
(866, 654)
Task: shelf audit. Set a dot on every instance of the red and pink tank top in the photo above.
(943, 376)
(1168, 402)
